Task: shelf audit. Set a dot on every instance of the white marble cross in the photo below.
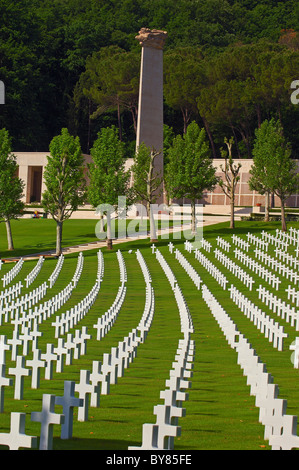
(3, 348)
(17, 438)
(47, 417)
(84, 388)
(4, 382)
(171, 246)
(295, 356)
(36, 363)
(68, 403)
(287, 439)
(15, 341)
(60, 351)
(96, 378)
(19, 372)
(49, 357)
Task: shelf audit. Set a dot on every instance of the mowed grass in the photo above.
(220, 413)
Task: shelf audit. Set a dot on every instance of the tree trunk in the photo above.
(232, 211)
(207, 128)
(119, 121)
(267, 203)
(58, 238)
(186, 118)
(259, 115)
(10, 246)
(134, 117)
(153, 232)
(193, 217)
(283, 217)
(109, 238)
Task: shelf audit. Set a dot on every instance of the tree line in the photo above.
(228, 65)
(189, 172)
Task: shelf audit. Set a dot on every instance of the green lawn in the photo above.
(220, 413)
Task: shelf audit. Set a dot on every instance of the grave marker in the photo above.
(68, 403)
(47, 417)
(16, 438)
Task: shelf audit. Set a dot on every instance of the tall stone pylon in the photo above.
(150, 107)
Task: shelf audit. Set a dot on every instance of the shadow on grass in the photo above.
(93, 444)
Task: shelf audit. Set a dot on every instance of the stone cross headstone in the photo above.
(60, 352)
(36, 363)
(17, 439)
(287, 439)
(96, 378)
(4, 382)
(47, 417)
(49, 357)
(171, 247)
(3, 348)
(84, 388)
(68, 403)
(295, 356)
(19, 372)
(15, 341)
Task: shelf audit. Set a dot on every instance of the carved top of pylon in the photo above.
(152, 38)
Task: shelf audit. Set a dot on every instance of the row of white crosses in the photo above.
(160, 435)
(293, 235)
(79, 269)
(287, 257)
(90, 383)
(17, 438)
(293, 295)
(149, 307)
(35, 271)
(263, 272)
(267, 325)
(44, 310)
(275, 240)
(107, 320)
(74, 347)
(279, 267)
(223, 243)
(188, 268)
(280, 307)
(290, 236)
(113, 365)
(68, 320)
(205, 245)
(29, 335)
(18, 306)
(235, 269)
(12, 273)
(54, 276)
(240, 242)
(10, 293)
(211, 268)
(280, 429)
(257, 241)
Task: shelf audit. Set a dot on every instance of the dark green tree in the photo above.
(11, 186)
(190, 169)
(108, 178)
(65, 181)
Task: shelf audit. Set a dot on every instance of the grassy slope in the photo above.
(220, 412)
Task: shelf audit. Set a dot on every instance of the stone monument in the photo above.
(150, 108)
